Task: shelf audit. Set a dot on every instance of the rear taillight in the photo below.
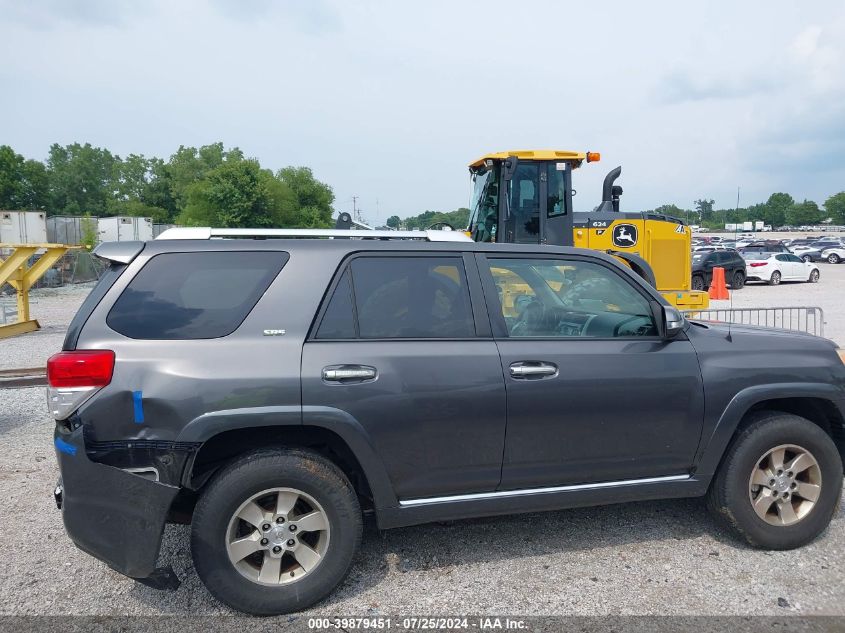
(756, 264)
(83, 368)
(73, 377)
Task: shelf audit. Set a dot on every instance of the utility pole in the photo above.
(355, 207)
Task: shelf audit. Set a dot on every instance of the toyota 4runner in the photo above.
(270, 391)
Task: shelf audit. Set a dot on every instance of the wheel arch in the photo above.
(821, 404)
(330, 432)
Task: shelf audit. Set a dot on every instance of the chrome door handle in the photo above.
(349, 372)
(529, 369)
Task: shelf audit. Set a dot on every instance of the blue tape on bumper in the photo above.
(137, 401)
(64, 447)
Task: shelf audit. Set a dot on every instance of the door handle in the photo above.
(527, 369)
(349, 373)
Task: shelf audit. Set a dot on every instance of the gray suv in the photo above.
(271, 390)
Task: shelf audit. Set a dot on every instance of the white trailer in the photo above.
(23, 227)
(124, 228)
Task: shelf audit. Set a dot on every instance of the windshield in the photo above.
(484, 204)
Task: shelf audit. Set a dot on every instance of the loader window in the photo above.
(524, 201)
(484, 205)
(556, 201)
(560, 298)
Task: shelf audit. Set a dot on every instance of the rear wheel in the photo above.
(780, 482)
(774, 280)
(697, 282)
(833, 258)
(806, 258)
(738, 280)
(275, 531)
(814, 276)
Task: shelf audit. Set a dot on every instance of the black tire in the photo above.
(833, 258)
(262, 470)
(807, 258)
(729, 497)
(774, 280)
(814, 276)
(697, 282)
(738, 280)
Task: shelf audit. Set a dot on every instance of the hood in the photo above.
(722, 328)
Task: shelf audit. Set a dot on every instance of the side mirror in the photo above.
(673, 322)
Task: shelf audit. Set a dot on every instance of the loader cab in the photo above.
(522, 198)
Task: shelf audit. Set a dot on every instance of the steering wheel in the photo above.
(441, 226)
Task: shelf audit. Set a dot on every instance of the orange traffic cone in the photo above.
(718, 289)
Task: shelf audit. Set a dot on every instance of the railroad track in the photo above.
(23, 377)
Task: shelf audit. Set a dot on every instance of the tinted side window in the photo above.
(411, 297)
(559, 298)
(339, 318)
(194, 295)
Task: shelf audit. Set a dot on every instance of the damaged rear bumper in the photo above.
(111, 514)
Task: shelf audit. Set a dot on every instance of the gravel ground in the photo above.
(53, 308)
(663, 557)
(657, 557)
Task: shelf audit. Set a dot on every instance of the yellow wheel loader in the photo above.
(525, 197)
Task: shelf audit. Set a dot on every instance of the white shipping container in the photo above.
(758, 225)
(124, 228)
(730, 227)
(23, 227)
(748, 226)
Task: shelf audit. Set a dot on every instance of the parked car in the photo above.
(703, 264)
(776, 267)
(808, 253)
(833, 255)
(765, 246)
(268, 391)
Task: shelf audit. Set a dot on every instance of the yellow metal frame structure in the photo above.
(15, 271)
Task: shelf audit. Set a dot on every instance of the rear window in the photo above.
(194, 295)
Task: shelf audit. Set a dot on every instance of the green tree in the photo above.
(459, 218)
(835, 207)
(134, 177)
(394, 222)
(190, 165)
(238, 193)
(82, 178)
(776, 209)
(23, 183)
(704, 206)
(313, 197)
(804, 214)
(159, 192)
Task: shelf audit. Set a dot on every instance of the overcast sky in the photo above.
(389, 101)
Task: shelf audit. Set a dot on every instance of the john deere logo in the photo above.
(624, 235)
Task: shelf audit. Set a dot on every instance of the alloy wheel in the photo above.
(785, 485)
(278, 536)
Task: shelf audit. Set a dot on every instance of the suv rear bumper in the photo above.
(109, 513)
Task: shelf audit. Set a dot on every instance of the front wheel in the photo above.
(780, 482)
(833, 258)
(774, 280)
(275, 531)
(814, 276)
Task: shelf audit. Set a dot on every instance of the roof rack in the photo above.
(206, 233)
